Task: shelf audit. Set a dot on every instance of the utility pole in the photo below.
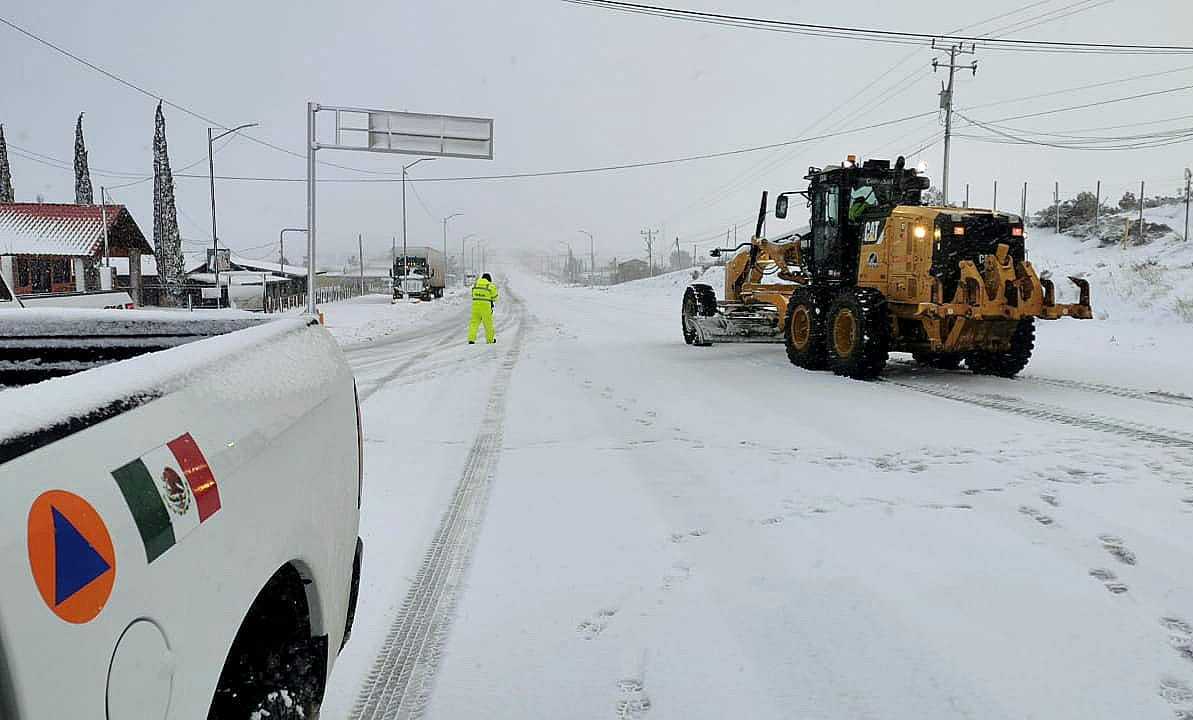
(966, 195)
(946, 100)
(591, 259)
(1023, 204)
(1097, 205)
(994, 207)
(1056, 201)
(360, 249)
(649, 235)
(1188, 180)
(215, 242)
(1140, 211)
(678, 252)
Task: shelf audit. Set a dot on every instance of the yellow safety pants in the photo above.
(482, 312)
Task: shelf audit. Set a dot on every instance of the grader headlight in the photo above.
(920, 231)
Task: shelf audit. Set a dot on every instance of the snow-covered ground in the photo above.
(675, 532)
(364, 319)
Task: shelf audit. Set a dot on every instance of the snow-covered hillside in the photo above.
(1151, 283)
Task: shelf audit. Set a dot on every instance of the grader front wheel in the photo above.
(804, 335)
(698, 300)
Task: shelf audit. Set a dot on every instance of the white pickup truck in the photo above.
(179, 509)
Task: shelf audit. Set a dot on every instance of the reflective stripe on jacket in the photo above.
(484, 291)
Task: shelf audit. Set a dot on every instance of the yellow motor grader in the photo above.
(877, 272)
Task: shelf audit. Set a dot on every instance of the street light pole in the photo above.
(464, 260)
(591, 258)
(445, 263)
(405, 256)
(215, 241)
(281, 248)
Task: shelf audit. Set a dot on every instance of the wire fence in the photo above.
(1108, 209)
(280, 298)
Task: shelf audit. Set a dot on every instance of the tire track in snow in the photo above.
(1162, 397)
(1100, 423)
(399, 684)
(439, 338)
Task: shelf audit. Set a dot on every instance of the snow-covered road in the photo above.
(593, 520)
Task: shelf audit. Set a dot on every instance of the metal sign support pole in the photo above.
(312, 108)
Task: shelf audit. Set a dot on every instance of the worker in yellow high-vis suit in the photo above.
(484, 296)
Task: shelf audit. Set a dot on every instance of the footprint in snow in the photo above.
(1109, 579)
(1050, 498)
(590, 629)
(1180, 636)
(1114, 545)
(1035, 515)
(682, 536)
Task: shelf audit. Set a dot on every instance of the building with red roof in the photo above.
(59, 247)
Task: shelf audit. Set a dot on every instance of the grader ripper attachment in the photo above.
(877, 272)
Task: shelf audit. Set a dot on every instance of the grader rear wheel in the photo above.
(1006, 364)
(858, 337)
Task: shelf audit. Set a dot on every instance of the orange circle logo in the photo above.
(71, 556)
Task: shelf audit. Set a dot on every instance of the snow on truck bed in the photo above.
(295, 361)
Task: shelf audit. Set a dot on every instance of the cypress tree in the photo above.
(6, 194)
(167, 242)
(83, 192)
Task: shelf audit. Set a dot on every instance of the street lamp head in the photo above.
(407, 167)
(238, 128)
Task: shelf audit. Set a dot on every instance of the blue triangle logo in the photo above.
(76, 563)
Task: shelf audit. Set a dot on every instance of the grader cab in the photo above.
(877, 272)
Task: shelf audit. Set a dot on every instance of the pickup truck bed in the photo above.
(256, 558)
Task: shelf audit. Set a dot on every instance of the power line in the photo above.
(1094, 104)
(169, 103)
(1050, 16)
(876, 35)
(573, 171)
(1157, 140)
(1076, 88)
(763, 166)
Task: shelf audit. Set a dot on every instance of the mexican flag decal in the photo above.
(170, 491)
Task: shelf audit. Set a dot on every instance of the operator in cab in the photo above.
(484, 297)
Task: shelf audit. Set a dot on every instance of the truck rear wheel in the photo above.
(858, 333)
(1006, 364)
(804, 333)
(698, 300)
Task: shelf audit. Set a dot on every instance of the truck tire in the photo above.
(858, 333)
(938, 360)
(1006, 364)
(698, 300)
(804, 331)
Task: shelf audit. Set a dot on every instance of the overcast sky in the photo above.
(568, 87)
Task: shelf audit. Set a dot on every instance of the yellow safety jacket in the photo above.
(484, 291)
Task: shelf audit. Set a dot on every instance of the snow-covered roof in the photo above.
(57, 228)
(251, 264)
(196, 261)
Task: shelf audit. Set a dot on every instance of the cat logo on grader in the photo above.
(945, 284)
